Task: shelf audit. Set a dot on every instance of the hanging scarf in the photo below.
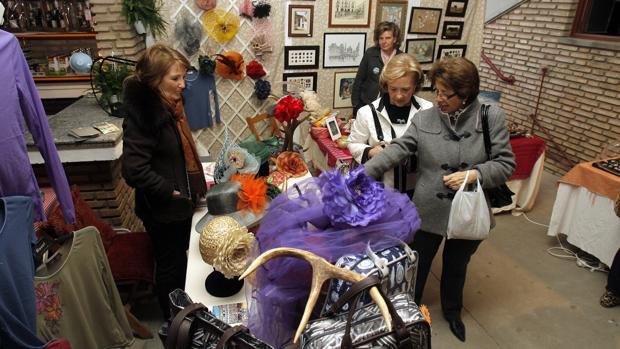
(193, 167)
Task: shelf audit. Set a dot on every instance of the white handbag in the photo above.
(469, 216)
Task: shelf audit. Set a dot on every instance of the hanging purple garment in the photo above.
(19, 102)
(17, 301)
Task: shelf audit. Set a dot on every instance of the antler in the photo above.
(321, 270)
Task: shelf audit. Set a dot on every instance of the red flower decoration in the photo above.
(255, 70)
(288, 109)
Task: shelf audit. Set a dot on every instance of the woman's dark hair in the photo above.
(388, 26)
(459, 74)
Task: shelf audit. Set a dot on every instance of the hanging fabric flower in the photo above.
(255, 70)
(262, 89)
(188, 34)
(262, 9)
(246, 9)
(220, 25)
(253, 192)
(229, 65)
(355, 199)
(206, 5)
(207, 65)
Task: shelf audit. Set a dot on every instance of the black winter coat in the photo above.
(152, 160)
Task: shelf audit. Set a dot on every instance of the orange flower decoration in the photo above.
(291, 163)
(426, 313)
(253, 192)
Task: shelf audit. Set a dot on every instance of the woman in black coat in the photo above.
(161, 162)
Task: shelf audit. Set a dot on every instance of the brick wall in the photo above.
(102, 187)
(580, 97)
(113, 32)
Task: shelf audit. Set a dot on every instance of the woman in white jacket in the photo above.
(400, 79)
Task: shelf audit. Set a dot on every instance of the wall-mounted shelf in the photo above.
(43, 35)
(64, 78)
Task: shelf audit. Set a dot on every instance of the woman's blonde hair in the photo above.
(399, 66)
(153, 65)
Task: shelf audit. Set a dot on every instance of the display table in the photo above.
(583, 211)
(198, 270)
(324, 153)
(525, 181)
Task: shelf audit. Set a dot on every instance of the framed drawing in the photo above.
(451, 51)
(392, 11)
(426, 85)
(343, 50)
(301, 57)
(422, 49)
(343, 85)
(456, 8)
(424, 20)
(452, 30)
(332, 127)
(305, 80)
(349, 13)
(300, 20)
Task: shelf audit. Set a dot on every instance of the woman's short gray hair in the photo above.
(399, 66)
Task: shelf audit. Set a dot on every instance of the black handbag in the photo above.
(499, 196)
(193, 326)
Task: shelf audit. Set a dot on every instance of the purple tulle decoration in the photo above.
(301, 218)
(356, 199)
(262, 89)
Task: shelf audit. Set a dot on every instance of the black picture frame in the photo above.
(456, 8)
(313, 75)
(452, 30)
(424, 20)
(426, 84)
(451, 50)
(299, 57)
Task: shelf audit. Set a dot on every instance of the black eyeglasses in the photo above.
(443, 95)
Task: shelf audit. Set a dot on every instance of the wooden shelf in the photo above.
(67, 35)
(62, 78)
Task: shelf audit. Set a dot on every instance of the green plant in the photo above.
(146, 11)
(107, 82)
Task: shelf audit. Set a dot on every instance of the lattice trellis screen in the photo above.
(236, 98)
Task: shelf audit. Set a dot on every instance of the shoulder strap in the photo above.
(377, 123)
(484, 117)
(228, 334)
(177, 332)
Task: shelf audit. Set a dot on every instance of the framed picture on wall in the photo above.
(452, 30)
(343, 85)
(422, 49)
(343, 50)
(424, 20)
(349, 13)
(451, 51)
(300, 20)
(456, 8)
(301, 57)
(392, 11)
(426, 85)
(305, 80)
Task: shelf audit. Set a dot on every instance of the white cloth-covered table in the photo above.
(526, 190)
(588, 221)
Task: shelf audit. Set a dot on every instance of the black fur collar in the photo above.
(144, 105)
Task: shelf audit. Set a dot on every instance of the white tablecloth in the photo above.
(588, 220)
(198, 270)
(526, 190)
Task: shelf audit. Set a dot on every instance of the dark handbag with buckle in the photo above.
(499, 196)
(365, 327)
(193, 326)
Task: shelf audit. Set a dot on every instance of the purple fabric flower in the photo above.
(355, 199)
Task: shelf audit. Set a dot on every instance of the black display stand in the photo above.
(219, 286)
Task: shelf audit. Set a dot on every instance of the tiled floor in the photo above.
(517, 295)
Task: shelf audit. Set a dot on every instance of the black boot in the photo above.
(458, 328)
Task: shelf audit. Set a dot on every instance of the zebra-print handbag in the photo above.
(366, 328)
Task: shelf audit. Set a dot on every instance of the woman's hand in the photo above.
(455, 180)
(176, 193)
(375, 150)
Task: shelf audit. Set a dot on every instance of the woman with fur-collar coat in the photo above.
(161, 162)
